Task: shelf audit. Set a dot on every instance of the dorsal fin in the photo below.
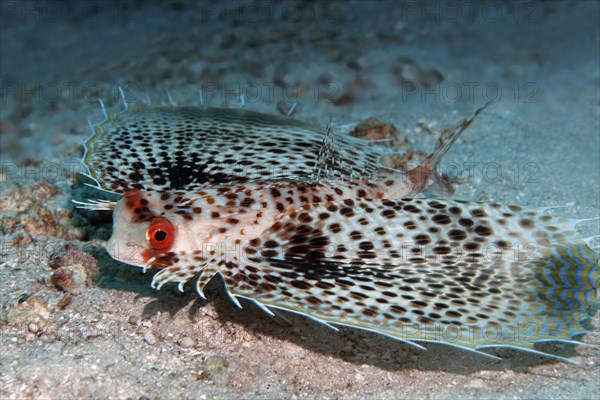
(426, 173)
(325, 157)
(334, 162)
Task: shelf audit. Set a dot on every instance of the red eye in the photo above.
(160, 233)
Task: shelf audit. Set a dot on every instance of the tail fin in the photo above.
(567, 279)
(427, 171)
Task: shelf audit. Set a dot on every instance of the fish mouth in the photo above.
(125, 252)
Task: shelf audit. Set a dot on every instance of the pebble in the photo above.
(146, 323)
(507, 375)
(93, 333)
(186, 342)
(476, 384)
(216, 367)
(150, 338)
(216, 363)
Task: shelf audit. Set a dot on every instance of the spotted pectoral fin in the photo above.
(465, 274)
(334, 293)
(412, 305)
(172, 148)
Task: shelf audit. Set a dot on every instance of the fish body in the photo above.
(236, 212)
(483, 274)
(356, 250)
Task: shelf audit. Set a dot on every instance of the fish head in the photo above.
(146, 228)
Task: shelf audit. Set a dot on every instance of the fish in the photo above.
(367, 251)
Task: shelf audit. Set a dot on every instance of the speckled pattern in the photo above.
(353, 257)
(349, 249)
(171, 148)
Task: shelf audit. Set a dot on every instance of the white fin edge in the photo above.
(98, 187)
(473, 351)
(544, 209)
(567, 341)
(103, 111)
(320, 321)
(292, 108)
(229, 294)
(589, 240)
(125, 105)
(201, 96)
(171, 102)
(200, 291)
(260, 305)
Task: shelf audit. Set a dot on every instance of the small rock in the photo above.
(62, 278)
(373, 129)
(476, 384)
(93, 333)
(150, 338)
(25, 310)
(507, 375)
(146, 323)
(186, 342)
(216, 368)
(64, 302)
(73, 269)
(216, 363)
